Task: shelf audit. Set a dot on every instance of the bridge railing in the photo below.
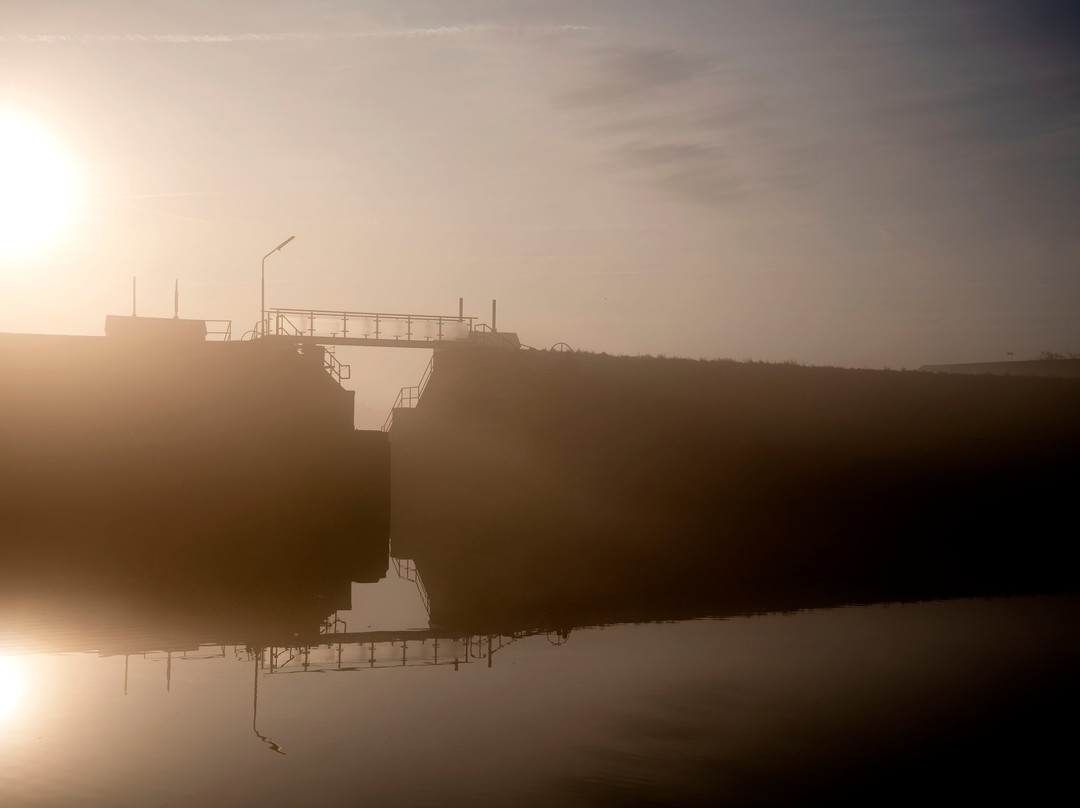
(370, 325)
(331, 364)
(219, 330)
(356, 656)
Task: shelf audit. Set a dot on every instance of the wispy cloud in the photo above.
(672, 114)
(299, 36)
(628, 73)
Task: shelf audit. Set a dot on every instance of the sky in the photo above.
(863, 183)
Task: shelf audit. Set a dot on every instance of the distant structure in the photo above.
(1061, 368)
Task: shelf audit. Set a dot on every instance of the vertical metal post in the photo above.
(376, 326)
(493, 328)
(460, 308)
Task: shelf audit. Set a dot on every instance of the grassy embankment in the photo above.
(563, 488)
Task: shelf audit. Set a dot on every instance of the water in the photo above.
(102, 705)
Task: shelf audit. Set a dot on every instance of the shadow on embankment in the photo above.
(561, 489)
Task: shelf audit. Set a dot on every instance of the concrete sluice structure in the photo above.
(152, 455)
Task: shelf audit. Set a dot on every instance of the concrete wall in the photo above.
(76, 390)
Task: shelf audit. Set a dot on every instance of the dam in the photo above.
(793, 486)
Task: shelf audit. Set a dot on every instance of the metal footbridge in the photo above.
(382, 329)
(320, 331)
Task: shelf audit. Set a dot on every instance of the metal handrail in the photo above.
(224, 331)
(406, 570)
(330, 625)
(372, 325)
(283, 325)
(409, 397)
(493, 335)
(335, 367)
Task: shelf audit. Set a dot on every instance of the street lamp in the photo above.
(264, 323)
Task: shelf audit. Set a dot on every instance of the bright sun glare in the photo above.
(12, 686)
(36, 188)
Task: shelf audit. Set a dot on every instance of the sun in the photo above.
(36, 187)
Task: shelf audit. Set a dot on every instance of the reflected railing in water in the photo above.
(378, 650)
(385, 650)
(406, 569)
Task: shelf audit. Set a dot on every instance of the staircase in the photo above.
(409, 397)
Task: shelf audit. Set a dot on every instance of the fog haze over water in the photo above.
(685, 526)
(854, 704)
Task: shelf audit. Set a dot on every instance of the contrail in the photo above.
(149, 196)
(219, 39)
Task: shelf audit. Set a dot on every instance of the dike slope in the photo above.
(547, 488)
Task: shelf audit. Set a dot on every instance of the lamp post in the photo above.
(263, 323)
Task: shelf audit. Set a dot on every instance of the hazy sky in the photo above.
(863, 182)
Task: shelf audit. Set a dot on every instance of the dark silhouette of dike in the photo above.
(538, 488)
(151, 455)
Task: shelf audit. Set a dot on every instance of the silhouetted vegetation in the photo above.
(1058, 355)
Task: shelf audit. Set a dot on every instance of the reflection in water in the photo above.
(521, 706)
(12, 686)
(406, 569)
(865, 703)
(255, 710)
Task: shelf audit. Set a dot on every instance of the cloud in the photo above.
(627, 73)
(296, 36)
(676, 117)
(666, 154)
(698, 172)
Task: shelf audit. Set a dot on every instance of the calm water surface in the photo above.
(869, 704)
